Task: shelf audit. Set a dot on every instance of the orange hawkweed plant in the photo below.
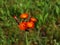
(25, 25)
(30, 24)
(24, 16)
(33, 19)
(22, 26)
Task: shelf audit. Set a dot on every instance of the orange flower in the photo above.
(22, 26)
(24, 15)
(30, 24)
(33, 19)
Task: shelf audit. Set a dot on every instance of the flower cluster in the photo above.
(24, 25)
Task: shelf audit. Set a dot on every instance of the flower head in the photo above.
(30, 24)
(22, 26)
(33, 19)
(24, 16)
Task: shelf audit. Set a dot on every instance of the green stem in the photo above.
(27, 39)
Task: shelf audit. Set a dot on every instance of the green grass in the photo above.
(46, 11)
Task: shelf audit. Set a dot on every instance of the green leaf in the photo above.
(57, 9)
(41, 18)
(45, 17)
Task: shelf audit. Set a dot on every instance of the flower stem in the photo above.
(27, 39)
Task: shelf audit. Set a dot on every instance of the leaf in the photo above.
(45, 17)
(41, 18)
(1, 11)
(57, 9)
